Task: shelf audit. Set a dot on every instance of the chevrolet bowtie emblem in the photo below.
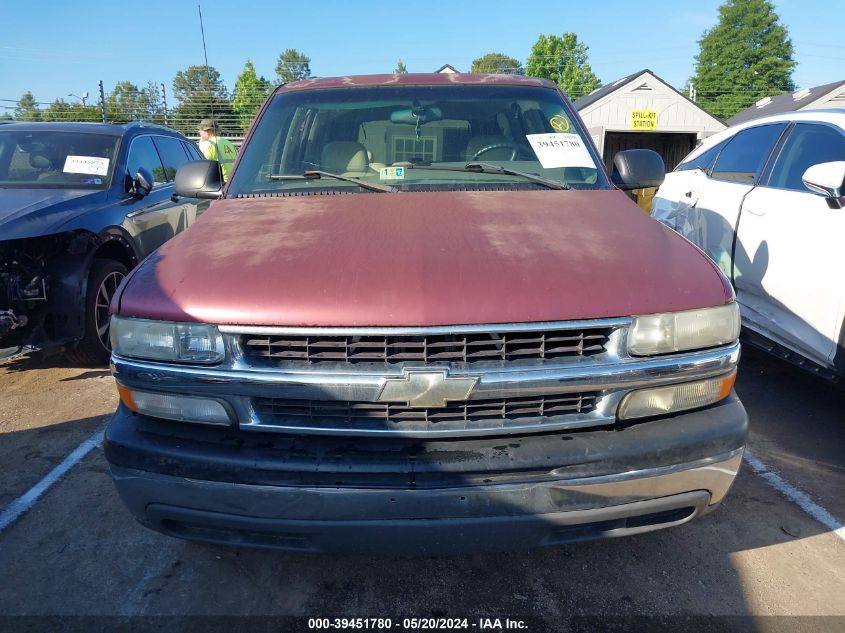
(426, 388)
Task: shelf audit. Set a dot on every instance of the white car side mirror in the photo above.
(828, 180)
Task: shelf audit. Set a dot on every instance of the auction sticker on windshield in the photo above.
(86, 165)
(560, 150)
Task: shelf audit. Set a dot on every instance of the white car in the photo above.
(765, 201)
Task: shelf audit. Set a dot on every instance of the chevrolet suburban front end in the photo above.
(421, 319)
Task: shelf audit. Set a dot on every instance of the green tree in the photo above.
(746, 56)
(61, 110)
(6, 117)
(155, 102)
(293, 66)
(563, 59)
(249, 93)
(401, 69)
(126, 102)
(199, 92)
(27, 109)
(496, 63)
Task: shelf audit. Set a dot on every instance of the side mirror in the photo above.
(199, 179)
(828, 180)
(142, 184)
(638, 169)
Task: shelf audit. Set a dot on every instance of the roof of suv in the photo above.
(114, 129)
(414, 79)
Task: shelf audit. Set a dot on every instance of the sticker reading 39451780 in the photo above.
(86, 165)
(560, 150)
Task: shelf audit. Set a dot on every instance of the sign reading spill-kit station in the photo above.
(643, 119)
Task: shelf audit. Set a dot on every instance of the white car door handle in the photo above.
(753, 211)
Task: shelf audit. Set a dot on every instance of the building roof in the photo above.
(786, 102)
(609, 88)
(605, 90)
(447, 68)
(405, 79)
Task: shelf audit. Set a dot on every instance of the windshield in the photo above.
(57, 160)
(417, 138)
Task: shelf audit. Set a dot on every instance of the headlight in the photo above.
(163, 340)
(687, 395)
(680, 331)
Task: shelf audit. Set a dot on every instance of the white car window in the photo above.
(703, 161)
(746, 153)
(808, 144)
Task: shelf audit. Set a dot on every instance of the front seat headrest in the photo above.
(40, 162)
(340, 157)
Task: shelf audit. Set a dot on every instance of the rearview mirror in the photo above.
(143, 182)
(199, 179)
(412, 116)
(638, 169)
(828, 180)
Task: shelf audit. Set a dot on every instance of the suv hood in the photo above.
(32, 212)
(415, 259)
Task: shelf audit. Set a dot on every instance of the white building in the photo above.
(641, 111)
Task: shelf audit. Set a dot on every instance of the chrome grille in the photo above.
(499, 412)
(462, 347)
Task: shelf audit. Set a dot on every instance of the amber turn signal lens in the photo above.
(673, 398)
(727, 384)
(126, 397)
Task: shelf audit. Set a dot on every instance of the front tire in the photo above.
(95, 348)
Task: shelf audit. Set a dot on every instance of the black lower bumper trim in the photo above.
(242, 457)
(426, 536)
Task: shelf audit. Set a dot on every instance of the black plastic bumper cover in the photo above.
(346, 494)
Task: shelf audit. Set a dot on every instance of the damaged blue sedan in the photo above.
(81, 204)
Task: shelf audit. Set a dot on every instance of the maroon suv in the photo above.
(422, 318)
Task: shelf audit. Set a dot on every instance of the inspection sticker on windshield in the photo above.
(560, 123)
(392, 173)
(560, 150)
(87, 165)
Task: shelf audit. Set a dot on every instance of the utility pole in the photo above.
(164, 100)
(103, 102)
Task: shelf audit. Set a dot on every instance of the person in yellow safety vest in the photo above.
(215, 147)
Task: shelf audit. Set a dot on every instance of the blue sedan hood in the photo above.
(33, 212)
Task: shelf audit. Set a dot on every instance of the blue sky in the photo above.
(67, 47)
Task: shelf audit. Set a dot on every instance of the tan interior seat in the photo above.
(345, 157)
(45, 165)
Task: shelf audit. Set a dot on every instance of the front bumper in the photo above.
(407, 496)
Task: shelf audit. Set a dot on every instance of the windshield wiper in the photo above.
(489, 168)
(316, 174)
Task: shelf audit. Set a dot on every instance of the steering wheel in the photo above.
(516, 150)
